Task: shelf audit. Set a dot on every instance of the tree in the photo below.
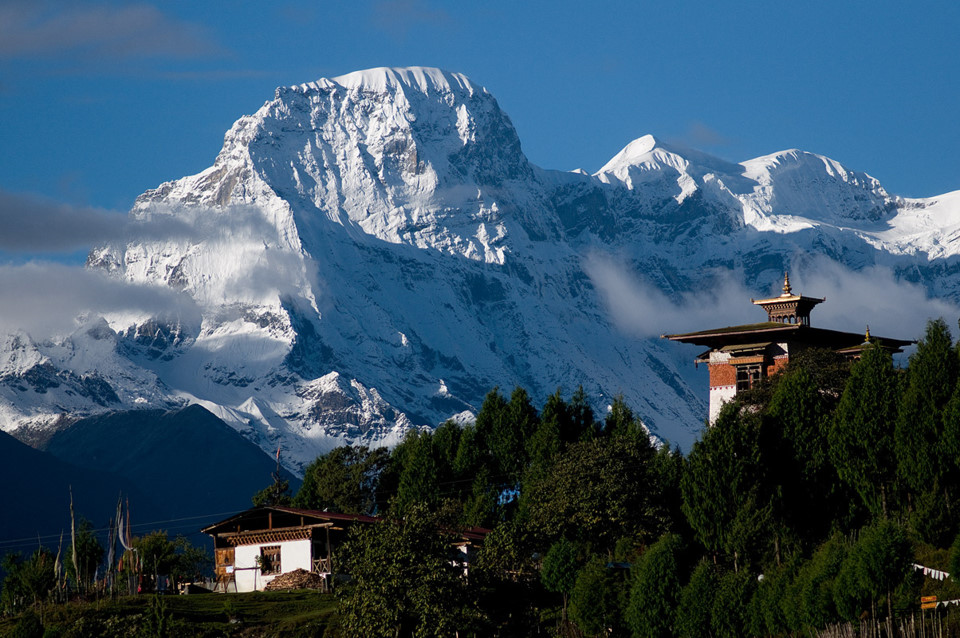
(596, 603)
(559, 571)
(851, 596)
(931, 379)
(582, 415)
(883, 559)
(862, 434)
(597, 491)
(27, 582)
(556, 430)
(874, 567)
(655, 593)
(696, 602)
(343, 480)
(548, 439)
(511, 425)
(489, 421)
(480, 507)
(418, 480)
(89, 556)
(768, 615)
(668, 468)
(954, 566)
(403, 581)
(276, 494)
(157, 619)
(502, 581)
(28, 626)
(728, 616)
(722, 499)
(812, 592)
(806, 496)
(509, 548)
(471, 454)
(446, 444)
(191, 563)
(950, 440)
(621, 420)
(157, 554)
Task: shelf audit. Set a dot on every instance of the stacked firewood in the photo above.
(297, 579)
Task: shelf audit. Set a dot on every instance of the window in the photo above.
(747, 376)
(270, 559)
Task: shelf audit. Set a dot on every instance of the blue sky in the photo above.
(100, 101)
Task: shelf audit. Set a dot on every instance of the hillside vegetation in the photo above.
(806, 506)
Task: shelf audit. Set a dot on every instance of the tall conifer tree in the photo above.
(655, 593)
(862, 435)
(720, 485)
(795, 455)
(931, 378)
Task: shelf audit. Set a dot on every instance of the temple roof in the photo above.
(788, 322)
(788, 307)
(772, 331)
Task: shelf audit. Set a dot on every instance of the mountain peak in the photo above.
(387, 220)
(633, 153)
(383, 79)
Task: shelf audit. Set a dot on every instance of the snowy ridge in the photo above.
(424, 79)
(374, 252)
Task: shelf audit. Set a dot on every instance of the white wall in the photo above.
(293, 555)
(718, 396)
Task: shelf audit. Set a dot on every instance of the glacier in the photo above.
(375, 252)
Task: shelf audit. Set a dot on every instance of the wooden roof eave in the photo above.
(321, 517)
(798, 299)
(835, 339)
(252, 532)
(731, 332)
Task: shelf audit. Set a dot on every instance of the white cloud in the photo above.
(399, 17)
(43, 299)
(872, 296)
(32, 224)
(97, 31)
(854, 299)
(641, 309)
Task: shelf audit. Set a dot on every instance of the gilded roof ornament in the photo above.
(786, 285)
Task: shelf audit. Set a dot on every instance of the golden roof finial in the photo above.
(786, 284)
(867, 336)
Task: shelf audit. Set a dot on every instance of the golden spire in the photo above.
(866, 338)
(786, 284)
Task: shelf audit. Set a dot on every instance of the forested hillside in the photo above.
(817, 500)
(806, 505)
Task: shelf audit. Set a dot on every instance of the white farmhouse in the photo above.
(255, 546)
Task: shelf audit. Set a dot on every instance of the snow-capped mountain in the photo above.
(377, 253)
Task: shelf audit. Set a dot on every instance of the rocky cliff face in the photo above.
(374, 252)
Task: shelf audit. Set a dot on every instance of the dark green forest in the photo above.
(805, 506)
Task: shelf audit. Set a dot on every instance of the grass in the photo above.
(252, 615)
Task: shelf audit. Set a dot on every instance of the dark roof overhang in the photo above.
(771, 331)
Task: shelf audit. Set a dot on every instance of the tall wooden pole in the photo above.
(58, 569)
(73, 541)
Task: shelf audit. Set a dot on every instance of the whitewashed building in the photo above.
(255, 546)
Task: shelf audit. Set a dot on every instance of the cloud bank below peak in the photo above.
(33, 224)
(45, 299)
(872, 296)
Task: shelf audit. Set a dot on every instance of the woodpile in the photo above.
(297, 579)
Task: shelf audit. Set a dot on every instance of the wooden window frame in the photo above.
(272, 554)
